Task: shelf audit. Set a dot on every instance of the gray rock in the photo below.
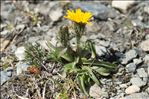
(131, 54)
(142, 95)
(132, 89)
(4, 77)
(99, 10)
(141, 72)
(101, 50)
(137, 81)
(21, 67)
(131, 67)
(145, 45)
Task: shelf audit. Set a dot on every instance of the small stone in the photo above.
(21, 67)
(132, 89)
(95, 91)
(4, 77)
(137, 81)
(142, 95)
(146, 59)
(104, 43)
(148, 69)
(101, 50)
(19, 53)
(137, 61)
(55, 15)
(20, 27)
(123, 5)
(131, 67)
(4, 32)
(147, 36)
(123, 85)
(141, 72)
(131, 54)
(145, 45)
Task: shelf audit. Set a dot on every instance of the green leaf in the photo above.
(101, 70)
(81, 82)
(70, 67)
(92, 75)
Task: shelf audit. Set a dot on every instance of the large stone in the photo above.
(137, 81)
(99, 10)
(145, 45)
(123, 5)
(132, 89)
(141, 72)
(20, 53)
(95, 91)
(131, 54)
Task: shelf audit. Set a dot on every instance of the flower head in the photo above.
(78, 16)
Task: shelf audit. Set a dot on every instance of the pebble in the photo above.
(95, 91)
(123, 85)
(137, 61)
(131, 54)
(123, 5)
(141, 72)
(145, 45)
(131, 67)
(20, 67)
(137, 81)
(132, 89)
(19, 53)
(101, 50)
(142, 95)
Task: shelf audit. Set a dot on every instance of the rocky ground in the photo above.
(120, 31)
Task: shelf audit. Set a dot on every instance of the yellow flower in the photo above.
(79, 16)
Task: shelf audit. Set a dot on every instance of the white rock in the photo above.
(95, 91)
(56, 14)
(123, 85)
(148, 69)
(145, 45)
(20, 53)
(101, 50)
(21, 67)
(123, 5)
(137, 81)
(137, 61)
(132, 89)
(141, 72)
